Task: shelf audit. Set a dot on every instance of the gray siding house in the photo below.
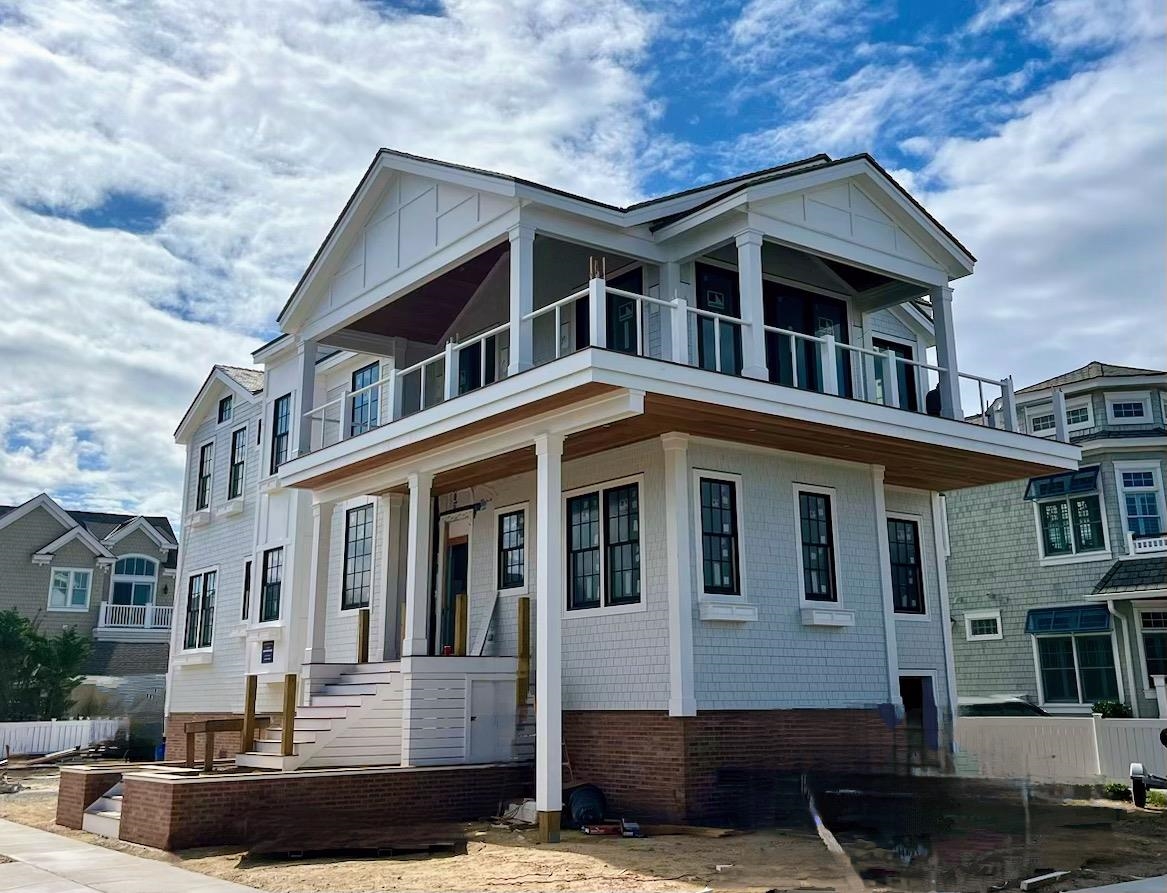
(1059, 583)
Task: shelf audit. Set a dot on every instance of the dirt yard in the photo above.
(963, 847)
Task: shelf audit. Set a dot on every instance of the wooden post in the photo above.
(287, 733)
(247, 735)
(190, 749)
(209, 751)
(363, 636)
(461, 606)
(523, 676)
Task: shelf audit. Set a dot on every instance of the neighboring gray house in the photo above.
(1059, 583)
(110, 576)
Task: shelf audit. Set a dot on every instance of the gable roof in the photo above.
(45, 553)
(1091, 370)
(252, 379)
(162, 539)
(247, 383)
(98, 526)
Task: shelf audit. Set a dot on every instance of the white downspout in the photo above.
(1136, 688)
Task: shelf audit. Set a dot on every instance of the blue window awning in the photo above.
(1084, 480)
(1087, 619)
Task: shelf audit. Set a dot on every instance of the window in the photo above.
(235, 477)
(512, 542)
(1141, 498)
(818, 546)
(367, 403)
(358, 558)
(1044, 422)
(1154, 628)
(1076, 669)
(225, 409)
(273, 576)
(133, 581)
(1078, 416)
(603, 547)
(981, 625)
(203, 489)
(907, 578)
(246, 611)
(1128, 408)
(1071, 526)
(200, 609)
(280, 431)
(719, 536)
(69, 589)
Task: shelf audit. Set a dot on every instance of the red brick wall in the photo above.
(226, 743)
(209, 811)
(80, 788)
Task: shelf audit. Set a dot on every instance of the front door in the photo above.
(455, 582)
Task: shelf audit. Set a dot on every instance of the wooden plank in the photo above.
(363, 636)
(247, 733)
(523, 676)
(287, 739)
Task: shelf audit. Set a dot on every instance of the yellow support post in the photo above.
(523, 677)
(363, 636)
(287, 733)
(247, 735)
(461, 608)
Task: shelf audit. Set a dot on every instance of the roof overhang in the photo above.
(141, 524)
(202, 402)
(41, 501)
(46, 554)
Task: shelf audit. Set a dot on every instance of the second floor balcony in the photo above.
(133, 623)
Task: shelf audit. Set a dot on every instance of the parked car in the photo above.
(1002, 705)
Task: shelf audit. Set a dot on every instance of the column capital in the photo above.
(877, 473)
(940, 293)
(675, 441)
(521, 232)
(305, 347)
(748, 237)
(420, 480)
(549, 443)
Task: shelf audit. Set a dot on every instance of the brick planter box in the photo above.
(80, 787)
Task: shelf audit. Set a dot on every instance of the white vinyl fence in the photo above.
(1067, 749)
(39, 738)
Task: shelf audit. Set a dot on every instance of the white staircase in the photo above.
(353, 719)
(104, 815)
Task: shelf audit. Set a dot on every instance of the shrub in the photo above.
(1116, 790)
(1112, 709)
(1157, 798)
(37, 672)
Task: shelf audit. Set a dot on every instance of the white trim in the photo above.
(1140, 684)
(358, 502)
(246, 429)
(603, 609)
(679, 550)
(196, 413)
(69, 607)
(219, 421)
(1143, 397)
(891, 643)
(991, 614)
(45, 554)
(140, 523)
(1129, 465)
(116, 577)
(1034, 411)
(939, 520)
(246, 592)
(830, 492)
(44, 501)
(525, 508)
(1074, 556)
(185, 595)
(927, 596)
(721, 606)
(1110, 444)
(1080, 705)
(464, 521)
(199, 476)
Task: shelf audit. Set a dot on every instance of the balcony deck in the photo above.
(133, 623)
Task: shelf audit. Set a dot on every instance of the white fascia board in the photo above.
(1123, 443)
(140, 523)
(273, 349)
(192, 418)
(43, 501)
(76, 533)
(570, 228)
(1092, 384)
(915, 320)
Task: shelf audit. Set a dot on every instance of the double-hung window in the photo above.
(907, 576)
(200, 609)
(358, 558)
(271, 584)
(280, 431)
(512, 542)
(603, 547)
(69, 589)
(226, 407)
(720, 552)
(203, 488)
(246, 612)
(366, 399)
(817, 545)
(235, 476)
(1154, 628)
(1141, 497)
(1075, 654)
(1069, 513)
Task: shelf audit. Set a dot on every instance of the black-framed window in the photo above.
(358, 558)
(280, 431)
(818, 547)
(512, 543)
(1154, 625)
(583, 551)
(719, 291)
(905, 373)
(603, 547)
(206, 464)
(907, 575)
(1077, 669)
(246, 610)
(235, 477)
(1070, 526)
(719, 536)
(200, 610)
(366, 405)
(270, 584)
(622, 544)
(226, 405)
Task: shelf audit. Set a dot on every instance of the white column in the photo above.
(1061, 425)
(306, 385)
(679, 537)
(386, 609)
(522, 348)
(1160, 694)
(891, 646)
(946, 352)
(938, 524)
(318, 582)
(674, 329)
(549, 595)
(749, 271)
(1008, 405)
(417, 564)
(597, 312)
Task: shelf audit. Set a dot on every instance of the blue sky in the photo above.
(169, 168)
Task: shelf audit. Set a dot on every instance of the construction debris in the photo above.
(1041, 880)
(687, 831)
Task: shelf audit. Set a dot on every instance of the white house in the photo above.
(705, 438)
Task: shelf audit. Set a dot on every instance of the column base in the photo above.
(549, 827)
(761, 373)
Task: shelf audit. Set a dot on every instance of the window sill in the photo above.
(83, 610)
(270, 484)
(914, 618)
(231, 507)
(1067, 709)
(836, 617)
(995, 638)
(517, 590)
(727, 609)
(1081, 558)
(268, 629)
(604, 610)
(201, 518)
(193, 658)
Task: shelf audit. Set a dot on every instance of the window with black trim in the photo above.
(512, 541)
(1071, 526)
(271, 584)
(1077, 669)
(603, 547)
(907, 577)
(206, 464)
(818, 547)
(366, 404)
(200, 610)
(280, 431)
(719, 536)
(235, 476)
(225, 408)
(246, 612)
(358, 558)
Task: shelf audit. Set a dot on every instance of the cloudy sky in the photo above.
(168, 168)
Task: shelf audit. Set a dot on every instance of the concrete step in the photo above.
(255, 760)
(106, 804)
(299, 736)
(104, 824)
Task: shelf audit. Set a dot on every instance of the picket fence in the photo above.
(39, 738)
(1067, 749)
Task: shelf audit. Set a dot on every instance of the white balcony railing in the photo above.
(134, 616)
(1148, 544)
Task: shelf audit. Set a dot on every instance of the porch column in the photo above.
(1160, 694)
(679, 536)
(549, 601)
(674, 325)
(318, 582)
(749, 271)
(890, 643)
(417, 563)
(392, 509)
(306, 385)
(522, 348)
(946, 352)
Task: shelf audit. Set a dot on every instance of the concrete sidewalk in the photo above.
(49, 863)
(1146, 885)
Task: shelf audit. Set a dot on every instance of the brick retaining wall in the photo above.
(226, 743)
(80, 787)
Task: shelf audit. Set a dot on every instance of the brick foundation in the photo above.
(80, 787)
(725, 766)
(179, 813)
(226, 743)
